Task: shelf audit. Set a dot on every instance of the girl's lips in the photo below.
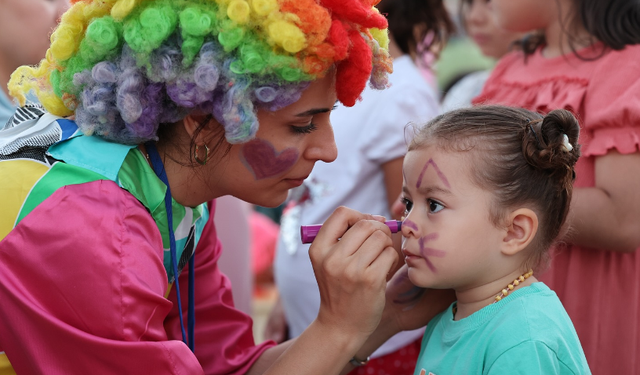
(409, 254)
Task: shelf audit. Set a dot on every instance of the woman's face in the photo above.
(481, 26)
(25, 27)
(287, 145)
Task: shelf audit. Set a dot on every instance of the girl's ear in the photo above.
(522, 226)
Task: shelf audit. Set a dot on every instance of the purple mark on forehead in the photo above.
(426, 252)
(410, 224)
(264, 161)
(438, 171)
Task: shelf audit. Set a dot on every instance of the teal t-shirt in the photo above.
(528, 332)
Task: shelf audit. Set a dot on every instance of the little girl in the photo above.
(494, 42)
(487, 190)
(587, 61)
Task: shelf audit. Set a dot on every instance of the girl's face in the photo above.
(525, 15)
(287, 145)
(449, 240)
(481, 26)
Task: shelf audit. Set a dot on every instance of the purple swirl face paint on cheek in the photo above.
(262, 159)
(438, 171)
(426, 252)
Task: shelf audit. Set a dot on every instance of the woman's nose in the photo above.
(322, 145)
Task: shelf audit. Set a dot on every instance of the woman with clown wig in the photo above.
(151, 109)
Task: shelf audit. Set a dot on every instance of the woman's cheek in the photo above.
(264, 161)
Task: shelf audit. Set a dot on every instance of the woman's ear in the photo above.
(203, 127)
(522, 226)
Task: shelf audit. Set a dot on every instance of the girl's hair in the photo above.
(518, 155)
(124, 67)
(418, 26)
(616, 23)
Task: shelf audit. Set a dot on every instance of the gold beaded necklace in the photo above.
(503, 293)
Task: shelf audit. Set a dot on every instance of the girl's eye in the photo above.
(408, 205)
(434, 206)
(304, 129)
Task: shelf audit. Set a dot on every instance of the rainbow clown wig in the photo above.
(124, 67)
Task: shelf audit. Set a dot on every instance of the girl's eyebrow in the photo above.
(429, 189)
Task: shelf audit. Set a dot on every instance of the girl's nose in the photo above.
(476, 13)
(409, 228)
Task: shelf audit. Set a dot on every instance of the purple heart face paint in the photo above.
(447, 232)
(262, 159)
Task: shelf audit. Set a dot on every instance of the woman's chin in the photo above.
(268, 200)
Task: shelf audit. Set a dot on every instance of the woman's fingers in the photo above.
(336, 229)
(365, 233)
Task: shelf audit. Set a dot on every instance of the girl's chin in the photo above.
(417, 278)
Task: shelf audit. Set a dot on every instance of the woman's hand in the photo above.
(352, 256)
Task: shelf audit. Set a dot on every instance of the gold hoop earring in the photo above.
(206, 155)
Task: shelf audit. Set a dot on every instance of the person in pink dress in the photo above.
(586, 59)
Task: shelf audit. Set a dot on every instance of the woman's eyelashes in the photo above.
(304, 129)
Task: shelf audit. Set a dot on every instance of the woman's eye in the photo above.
(408, 205)
(434, 206)
(304, 129)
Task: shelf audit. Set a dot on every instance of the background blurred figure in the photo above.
(232, 221)
(367, 174)
(586, 60)
(25, 26)
(493, 41)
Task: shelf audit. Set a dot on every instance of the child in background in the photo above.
(25, 27)
(493, 41)
(367, 175)
(487, 190)
(590, 66)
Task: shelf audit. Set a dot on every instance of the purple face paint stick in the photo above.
(308, 233)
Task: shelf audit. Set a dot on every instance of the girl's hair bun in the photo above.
(550, 143)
